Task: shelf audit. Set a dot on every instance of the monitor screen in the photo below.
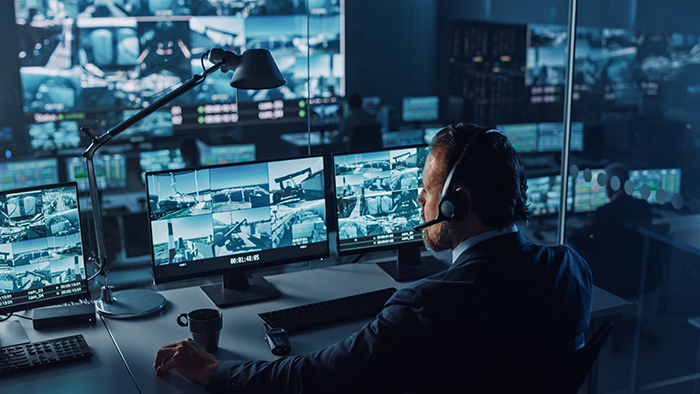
(112, 55)
(110, 171)
(418, 109)
(30, 173)
(544, 194)
(236, 217)
(589, 193)
(523, 136)
(41, 250)
(376, 193)
(392, 139)
(326, 114)
(225, 154)
(550, 136)
(157, 160)
(666, 179)
(54, 135)
(372, 104)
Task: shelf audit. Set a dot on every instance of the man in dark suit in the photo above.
(504, 302)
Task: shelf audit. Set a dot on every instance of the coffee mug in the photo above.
(205, 326)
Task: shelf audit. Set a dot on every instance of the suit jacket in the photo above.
(504, 302)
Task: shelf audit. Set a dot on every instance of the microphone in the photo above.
(429, 223)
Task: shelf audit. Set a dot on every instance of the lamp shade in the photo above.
(257, 70)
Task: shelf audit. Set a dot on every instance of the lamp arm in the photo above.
(98, 141)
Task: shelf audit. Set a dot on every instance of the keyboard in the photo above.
(42, 353)
(323, 313)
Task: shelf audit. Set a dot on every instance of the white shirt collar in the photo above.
(469, 242)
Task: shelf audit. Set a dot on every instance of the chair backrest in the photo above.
(366, 137)
(561, 375)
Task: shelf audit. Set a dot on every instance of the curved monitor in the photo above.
(376, 193)
(232, 218)
(41, 247)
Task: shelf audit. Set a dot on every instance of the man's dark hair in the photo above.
(491, 171)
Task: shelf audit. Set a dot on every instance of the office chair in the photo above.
(366, 137)
(561, 375)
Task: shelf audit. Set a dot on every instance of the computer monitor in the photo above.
(54, 135)
(589, 194)
(28, 173)
(372, 104)
(550, 136)
(523, 136)
(225, 154)
(233, 218)
(41, 251)
(163, 159)
(110, 171)
(666, 179)
(326, 114)
(419, 109)
(392, 139)
(376, 193)
(544, 194)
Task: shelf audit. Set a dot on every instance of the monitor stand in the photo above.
(12, 333)
(410, 266)
(238, 287)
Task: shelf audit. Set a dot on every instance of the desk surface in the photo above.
(242, 335)
(683, 231)
(104, 372)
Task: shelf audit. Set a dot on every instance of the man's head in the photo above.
(489, 185)
(617, 174)
(354, 101)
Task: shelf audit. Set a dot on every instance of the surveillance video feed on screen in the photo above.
(243, 213)
(116, 54)
(54, 135)
(41, 252)
(376, 195)
(110, 171)
(544, 194)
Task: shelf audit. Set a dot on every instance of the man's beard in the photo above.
(438, 237)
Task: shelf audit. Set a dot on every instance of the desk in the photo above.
(242, 336)
(104, 372)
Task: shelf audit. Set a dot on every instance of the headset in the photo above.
(449, 208)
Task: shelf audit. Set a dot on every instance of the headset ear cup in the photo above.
(447, 208)
(454, 207)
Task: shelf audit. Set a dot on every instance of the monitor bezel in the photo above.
(387, 247)
(244, 266)
(84, 282)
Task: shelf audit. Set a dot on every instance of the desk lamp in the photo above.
(255, 69)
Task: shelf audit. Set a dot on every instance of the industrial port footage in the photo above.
(233, 210)
(40, 241)
(376, 193)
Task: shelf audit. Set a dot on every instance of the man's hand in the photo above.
(188, 358)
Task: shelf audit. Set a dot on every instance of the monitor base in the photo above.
(128, 304)
(258, 289)
(12, 333)
(409, 272)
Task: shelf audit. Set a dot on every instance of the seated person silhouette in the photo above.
(359, 130)
(609, 242)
